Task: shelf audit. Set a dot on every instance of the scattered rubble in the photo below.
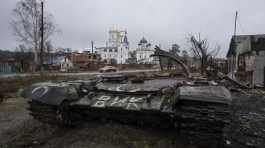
(248, 128)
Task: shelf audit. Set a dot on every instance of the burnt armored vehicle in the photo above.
(161, 102)
(153, 102)
(168, 103)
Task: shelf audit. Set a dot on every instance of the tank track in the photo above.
(200, 122)
(203, 117)
(42, 112)
(199, 125)
(53, 115)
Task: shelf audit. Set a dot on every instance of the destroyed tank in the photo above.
(164, 102)
(197, 108)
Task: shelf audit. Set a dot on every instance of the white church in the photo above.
(143, 52)
(117, 47)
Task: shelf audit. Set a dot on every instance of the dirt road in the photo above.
(92, 73)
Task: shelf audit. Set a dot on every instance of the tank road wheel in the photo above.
(64, 115)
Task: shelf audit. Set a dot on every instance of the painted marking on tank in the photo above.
(133, 103)
(134, 100)
(45, 90)
(119, 88)
(118, 101)
(101, 101)
(100, 104)
(135, 90)
(132, 106)
(104, 98)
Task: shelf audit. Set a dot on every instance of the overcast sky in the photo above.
(162, 22)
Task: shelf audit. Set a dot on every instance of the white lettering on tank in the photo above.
(99, 104)
(134, 99)
(45, 90)
(135, 90)
(133, 102)
(119, 101)
(132, 106)
(118, 88)
(104, 98)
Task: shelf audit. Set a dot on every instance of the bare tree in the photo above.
(48, 47)
(24, 57)
(200, 50)
(175, 49)
(26, 24)
(185, 56)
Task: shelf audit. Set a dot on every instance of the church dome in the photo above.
(143, 41)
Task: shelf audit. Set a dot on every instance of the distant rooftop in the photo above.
(248, 42)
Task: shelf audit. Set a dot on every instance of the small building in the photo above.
(90, 50)
(7, 66)
(246, 58)
(61, 63)
(85, 60)
(144, 52)
(15, 61)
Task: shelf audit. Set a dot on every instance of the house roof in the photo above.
(245, 43)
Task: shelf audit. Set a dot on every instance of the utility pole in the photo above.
(234, 40)
(42, 44)
(92, 46)
(235, 24)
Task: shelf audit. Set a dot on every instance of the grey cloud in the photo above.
(160, 21)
